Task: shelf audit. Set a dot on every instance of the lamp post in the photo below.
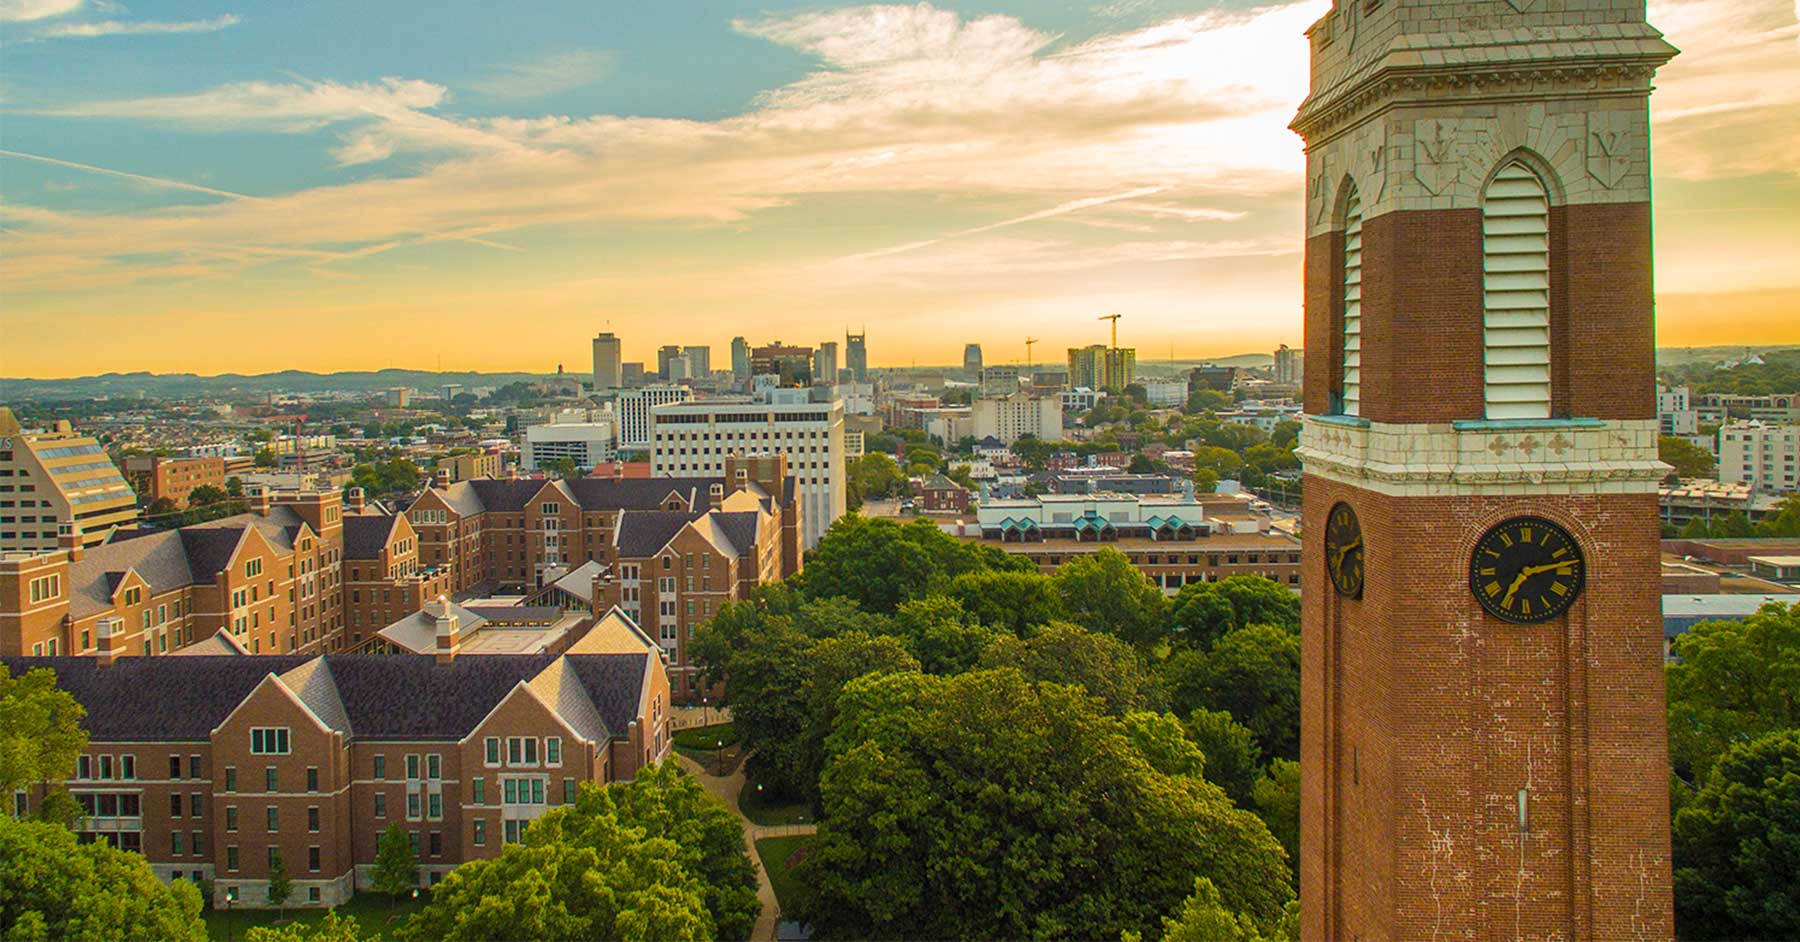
(705, 713)
(230, 897)
(721, 746)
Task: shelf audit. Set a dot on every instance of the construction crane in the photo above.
(1028, 342)
(1115, 327)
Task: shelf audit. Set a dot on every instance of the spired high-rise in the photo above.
(1483, 738)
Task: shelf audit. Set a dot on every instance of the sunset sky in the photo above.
(325, 186)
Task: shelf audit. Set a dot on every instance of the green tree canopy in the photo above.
(1203, 611)
(40, 730)
(1253, 674)
(331, 928)
(1737, 845)
(1104, 592)
(1203, 917)
(987, 806)
(654, 858)
(880, 563)
(1688, 459)
(944, 637)
(1731, 682)
(1062, 653)
(54, 888)
(1277, 798)
(396, 867)
(1016, 601)
(1233, 759)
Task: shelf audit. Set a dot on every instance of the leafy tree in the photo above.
(1737, 848)
(280, 887)
(1688, 459)
(1252, 673)
(1207, 400)
(987, 806)
(1784, 521)
(1141, 464)
(1277, 798)
(873, 475)
(1164, 744)
(54, 888)
(835, 662)
(564, 468)
(1203, 917)
(655, 858)
(1732, 682)
(1062, 653)
(396, 868)
(40, 730)
(944, 637)
(880, 563)
(1202, 611)
(331, 928)
(1206, 480)
(206, 494)
(1232, 755)
(265, 457)
(1224, 462)
(1105, 592)
(1286, 434)
(234, 486)
(1018, 601)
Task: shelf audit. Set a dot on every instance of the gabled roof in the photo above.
(154, 698)
(366, 535)
(399, 697)
(562, 691)
(209, 549)
(160, 559)
(643, 533)
(313, 684)
(615, 683)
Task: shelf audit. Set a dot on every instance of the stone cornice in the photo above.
(1551, 457)
(1481, 71)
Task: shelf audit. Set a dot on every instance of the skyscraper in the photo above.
(972, 360)
(664, 354)
(791, 365)
(740, 359)
(825, 365)
(699, 361)
(606, 362)
(1102, 367)
(1483, 730)
(1287, 364)
(856, 356)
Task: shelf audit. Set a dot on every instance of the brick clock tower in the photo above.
(1484, 752)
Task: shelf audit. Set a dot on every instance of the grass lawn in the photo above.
(779, 856)
(374, 913)
(706, 737)
(770, 812)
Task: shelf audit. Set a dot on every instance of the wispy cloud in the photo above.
(547, 75)
(25, 11)
(1061, 209)
(159, 182)
(294, 106)
(136, 27)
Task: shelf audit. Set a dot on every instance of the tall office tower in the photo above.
(740, 359)
(58, 479)
(1484, 750)
(631, 375)
(856, 356)
(825, 363)
(698, 438)
(792, 366)
(1287, 364)
(664, 354)
(699, 361)
(633, 410)
(1087, 367)
(972, 361)
(677, 370)
(606, 362)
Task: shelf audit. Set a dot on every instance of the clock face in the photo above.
(1526, 570)
(1344, 551)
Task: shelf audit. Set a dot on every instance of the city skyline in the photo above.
(940, 174)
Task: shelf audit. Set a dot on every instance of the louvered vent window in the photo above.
(1353, 305)
(1515, 231)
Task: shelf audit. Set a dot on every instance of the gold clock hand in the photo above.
(1519, 580)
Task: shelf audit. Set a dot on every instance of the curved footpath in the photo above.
(726, 790)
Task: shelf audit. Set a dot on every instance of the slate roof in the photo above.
(395, 697)
(154, 698)
(160, 558)
(741, 528)
(561, 689)
(365, 535)
(209, 549)
(641, 533)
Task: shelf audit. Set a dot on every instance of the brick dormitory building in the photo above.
(212, 766)
(310, 573)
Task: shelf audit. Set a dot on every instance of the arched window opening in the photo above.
(1352, 396)
(1515, 237)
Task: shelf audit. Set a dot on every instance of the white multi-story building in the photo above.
(1761, 454)
(1081, 399)
(694, 438)
(999, 380)
(858, 398)
(633, 408)
(586, 443)
(1007, 418)
(1675, 411)
(1165, 394)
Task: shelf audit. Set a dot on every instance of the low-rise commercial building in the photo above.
(585, 443)
(156, 477)
(1764, 455)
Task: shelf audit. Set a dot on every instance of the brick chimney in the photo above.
(618, 470)
(441, 477)
(259, 500)
(353, 503)
(449, 637)
(108, 641)
(68, 539)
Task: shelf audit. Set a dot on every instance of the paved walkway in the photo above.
(726, 790)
